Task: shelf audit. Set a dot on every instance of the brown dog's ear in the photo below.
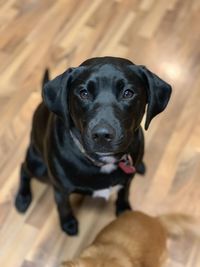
(68, 264)
(74, 263)
(55, 93)
(158, 94)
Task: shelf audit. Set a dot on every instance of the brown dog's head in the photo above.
(103, 101)
(92, 262)
(101, 256)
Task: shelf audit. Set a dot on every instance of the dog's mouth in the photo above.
(105, 154)
(104, 157)
(109, 157)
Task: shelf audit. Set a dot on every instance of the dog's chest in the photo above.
(106, 193)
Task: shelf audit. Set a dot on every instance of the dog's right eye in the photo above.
(128, 94)
(84, 94)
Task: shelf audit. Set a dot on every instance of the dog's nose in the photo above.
(102, 134)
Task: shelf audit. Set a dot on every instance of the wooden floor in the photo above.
(163, 35)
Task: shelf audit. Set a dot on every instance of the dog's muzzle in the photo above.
(108, 163)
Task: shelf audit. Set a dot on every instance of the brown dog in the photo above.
(134, 239)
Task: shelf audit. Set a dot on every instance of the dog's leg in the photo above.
(33, 166)
(68, 222)
(24, 195)
(122, 202)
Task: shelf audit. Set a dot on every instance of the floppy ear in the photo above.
(73, 263)
(68, 264)
(55, 93)
(158, 94)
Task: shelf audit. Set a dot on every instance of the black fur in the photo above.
(102, 103)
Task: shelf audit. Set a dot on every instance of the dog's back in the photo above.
(135, 239)
(40, 119)
(143, 237)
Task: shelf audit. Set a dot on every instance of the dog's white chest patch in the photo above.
(109, 164)
(108, 168)
(106, 193)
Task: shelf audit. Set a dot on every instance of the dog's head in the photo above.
(104, 100)
(92, 262)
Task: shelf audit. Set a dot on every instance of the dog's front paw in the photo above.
(22, 202)
(70, 225)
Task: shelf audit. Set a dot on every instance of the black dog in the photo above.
(86, 133)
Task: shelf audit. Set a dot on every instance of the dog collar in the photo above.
(125, 163)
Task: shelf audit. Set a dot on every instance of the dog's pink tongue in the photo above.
(128, 169)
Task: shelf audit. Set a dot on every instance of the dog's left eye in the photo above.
(128, 93)
(84, 94)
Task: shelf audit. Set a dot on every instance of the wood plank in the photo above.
(164, 36)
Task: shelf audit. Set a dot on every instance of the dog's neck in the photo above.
(107, 164)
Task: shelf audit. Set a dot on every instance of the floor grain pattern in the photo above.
(164, 36)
